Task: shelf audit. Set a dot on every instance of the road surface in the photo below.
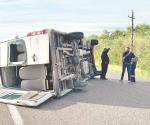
(108, 102)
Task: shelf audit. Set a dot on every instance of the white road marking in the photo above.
(15, 115)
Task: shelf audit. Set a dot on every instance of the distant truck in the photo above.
(44, 64)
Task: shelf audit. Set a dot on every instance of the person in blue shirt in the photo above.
(126, 62)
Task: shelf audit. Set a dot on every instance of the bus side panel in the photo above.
(37, 49)
(3, 54)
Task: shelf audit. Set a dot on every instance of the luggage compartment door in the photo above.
(25, 98)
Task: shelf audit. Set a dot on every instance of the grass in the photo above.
(139, 72)
(117, 68)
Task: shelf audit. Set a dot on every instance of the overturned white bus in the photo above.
(43, 64)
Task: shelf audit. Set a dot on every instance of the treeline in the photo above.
(118, 39)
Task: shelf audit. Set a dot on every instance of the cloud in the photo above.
(6, 1)
(9, 2)
(89, 16)
(10, 30)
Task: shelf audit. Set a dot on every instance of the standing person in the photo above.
(126, 62)
(105, 62)
(133, 67)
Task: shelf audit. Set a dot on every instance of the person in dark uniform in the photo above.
(105, 62)
(126, 62)
(132, 68)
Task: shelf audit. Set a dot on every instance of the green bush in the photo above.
(117, 41)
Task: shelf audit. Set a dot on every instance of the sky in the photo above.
(18, 17)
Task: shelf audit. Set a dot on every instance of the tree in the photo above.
(142, 29)
(105, 35)
(117, 33)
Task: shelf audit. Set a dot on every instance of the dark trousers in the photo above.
(132, 72)
(124, 67)
(104, 69)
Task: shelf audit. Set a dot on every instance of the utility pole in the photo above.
(132, 29)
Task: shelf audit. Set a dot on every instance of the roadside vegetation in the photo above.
(117, 40)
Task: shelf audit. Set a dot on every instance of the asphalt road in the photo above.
(100, 103)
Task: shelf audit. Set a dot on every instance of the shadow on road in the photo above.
(111, 92)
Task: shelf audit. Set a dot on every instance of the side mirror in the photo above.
(94, 42)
